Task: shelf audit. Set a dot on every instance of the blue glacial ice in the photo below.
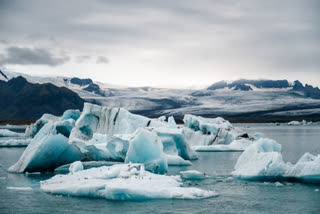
(48, 149)
(122, 182)
(146, 148)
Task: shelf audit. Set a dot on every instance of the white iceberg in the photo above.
(8, 133)
(15, 142)
(216, 134)
(109, 122)
(307, 169)
(234, 146)
(261, 160)
(122, 182)
(193, 175)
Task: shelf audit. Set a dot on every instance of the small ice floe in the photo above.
(316, 190)
(20, 188)
(193, 175)
(122, 182)
(278, 184)
(8, 133)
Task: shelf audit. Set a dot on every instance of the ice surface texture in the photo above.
(263, 161)
(122, 182)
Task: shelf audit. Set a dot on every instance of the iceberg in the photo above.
(307, 169)
(8, 133)
(146, 147)
(215, 134)
(48, 149)
(261, 160)
(15, 142)
(235, 146)
(193, 175)
(34, 128)
(109, 122)
(175, 143)
(122, 182)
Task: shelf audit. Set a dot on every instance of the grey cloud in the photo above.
(31, 56)
(81, 59)
(102, 59)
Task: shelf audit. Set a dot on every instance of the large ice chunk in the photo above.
(146, 147)
(174, 143)
(107, 121)
(201, 131)
(122, 182)
(48, 149)
(33, 129)
(307, 169)
(261, 160)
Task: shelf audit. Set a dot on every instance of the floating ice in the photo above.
(261, 160)
(146, 147)
(235, 146)
(33, 129)
(20, 188)
(175, 143)
(8, 133)
(307, 169)
(122, 182)
(109, 122)
(215, 134)
(172, 122)
(48, 149)
(193, 175)
(175, 160)
(15, 142)
(75, 167)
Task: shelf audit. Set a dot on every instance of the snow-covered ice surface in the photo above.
(122, 182)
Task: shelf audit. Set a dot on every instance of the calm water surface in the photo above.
(235, 196)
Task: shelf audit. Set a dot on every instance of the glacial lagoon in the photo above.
(20, 193)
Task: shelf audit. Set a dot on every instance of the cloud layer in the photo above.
(202, 41)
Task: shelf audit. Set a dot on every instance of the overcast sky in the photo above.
(167, 43)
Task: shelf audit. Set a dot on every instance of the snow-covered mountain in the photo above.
(241, 100)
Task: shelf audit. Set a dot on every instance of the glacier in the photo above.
(122, 182)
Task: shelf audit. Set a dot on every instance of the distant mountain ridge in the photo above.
(244, 101)
(21, 100)
(246, 85)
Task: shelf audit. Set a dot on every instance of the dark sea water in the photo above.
(235, 196)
